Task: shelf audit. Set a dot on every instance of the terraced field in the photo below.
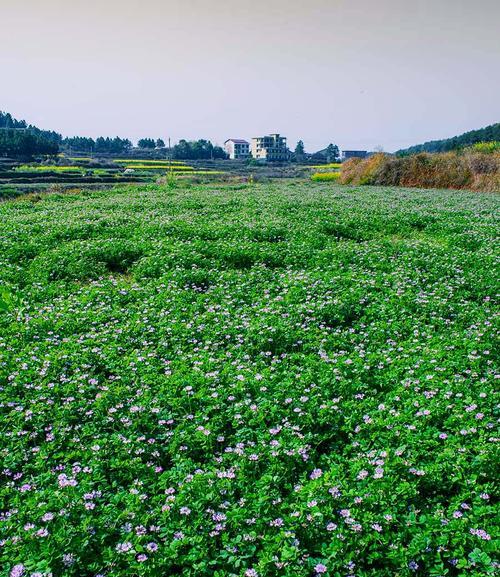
(290, 379)
(17, 178)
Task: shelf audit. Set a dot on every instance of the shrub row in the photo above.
(471, 169)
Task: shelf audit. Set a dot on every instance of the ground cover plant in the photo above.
(282, 379)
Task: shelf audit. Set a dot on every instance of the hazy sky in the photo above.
(359, 73)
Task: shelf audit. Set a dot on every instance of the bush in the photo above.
(466, 169)
(487, 147)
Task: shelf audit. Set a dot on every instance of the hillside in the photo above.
(487, 134)
(20, 139)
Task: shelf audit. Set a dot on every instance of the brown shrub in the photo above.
(469, 169)
(362, 171)
(481, 163)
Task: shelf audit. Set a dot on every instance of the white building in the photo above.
(237, 148)
(272, 148)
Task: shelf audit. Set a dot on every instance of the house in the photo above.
(272, 148)
(237, 148)
(346, 154)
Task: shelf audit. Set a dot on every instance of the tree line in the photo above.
(331, 153)
(101, 144)
(14, 143)
(18, 138)
(488, 134)
(197, 150)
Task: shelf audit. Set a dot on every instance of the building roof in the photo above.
(236, 141)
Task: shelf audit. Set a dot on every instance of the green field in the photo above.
(18, 178)
(273, 380)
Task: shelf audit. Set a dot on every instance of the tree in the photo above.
(160, 143)
(332, 153)
(79, 144)
(25, 143)
(299, 149)
(197, 150)
(112, 145)
(299, 152)
(146, 143)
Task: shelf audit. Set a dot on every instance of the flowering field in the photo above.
(291, 379)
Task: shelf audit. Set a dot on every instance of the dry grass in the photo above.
(469, 169)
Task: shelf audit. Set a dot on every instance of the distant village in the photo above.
(18, 139)
(273, 148)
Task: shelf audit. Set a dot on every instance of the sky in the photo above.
(359, 73)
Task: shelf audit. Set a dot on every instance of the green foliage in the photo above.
(6, 299)
(114, 145)
(20, 143)
(146, 143)
(18, 139)
(299, 151)
(263, 380)
(332, 153)
(197, 150)
(79, 144)
(171, 177)
(487, 147)
(325, 176)
(488, 134)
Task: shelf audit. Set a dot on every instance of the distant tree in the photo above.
(197, 150)
(299, 149)
(146, 143)
(299, 152)
(79, 144)
(219, 153)
(6, 121)
(332, 153)
(488, 134)
(19, 139)
(160, 143)
(25, 143)
(112, 145)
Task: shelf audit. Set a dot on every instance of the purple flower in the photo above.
(277, 522)
(124, 547)
(17, 570)
(316, 474)
(320, 568)
(481, 533)
(413, 565)
(68, 559)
